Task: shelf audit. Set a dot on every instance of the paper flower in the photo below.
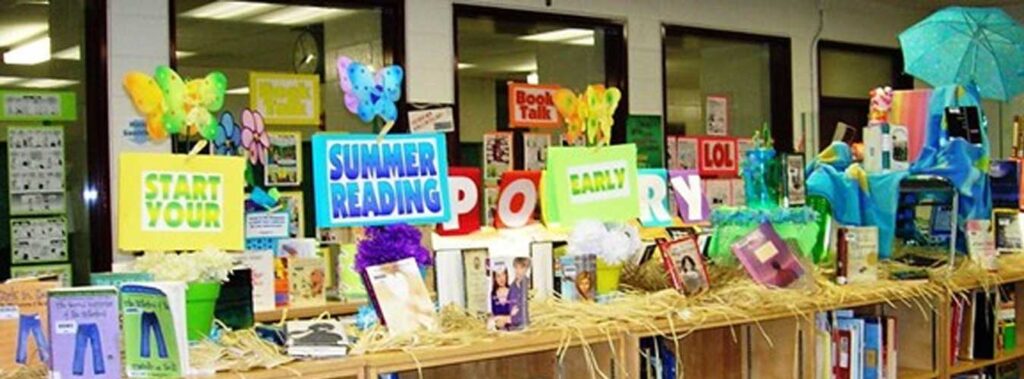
(390, 243)
(229, 136)
(201, 266)
(612, 243)
(254, 136)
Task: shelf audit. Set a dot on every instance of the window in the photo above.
(747, 74)
(50, 141)
(240, 38)
(497, 46)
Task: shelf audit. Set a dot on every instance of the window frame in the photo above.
(780, 76)
(615, 63)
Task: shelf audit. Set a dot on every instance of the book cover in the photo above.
(984, 325)
(542, 258)
(686, 150)
(718, 192)
(766, 258)
(579, 277)
(900, 148)
(117, 278)
(510, 286)
(981, 244)
(281, 288)
(873, 348)
(860, 244)
(877, 148)
(316, 338)
(306, 277)
(956, 326)
(401, 296)
(450, 280)
(261, 263)
(795, 190)
(155, 342)
(685, 265)
(23, 324)
(478, 280)
(1005, 178)
(234, 304)
(855, 326)
(1008, 230)
(843, 354)
(85, 332)
(890, 357)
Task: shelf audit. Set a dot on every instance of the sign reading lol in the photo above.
(532, 106)
(360, 181)
(180, 202)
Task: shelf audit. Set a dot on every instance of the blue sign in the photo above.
(362, 181)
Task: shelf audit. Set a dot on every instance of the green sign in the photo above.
(648, 136)
(37, 106)
(598, 183)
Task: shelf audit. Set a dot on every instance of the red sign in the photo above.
(464, 185)
(532, 106)
(517, 199)
(716, 156)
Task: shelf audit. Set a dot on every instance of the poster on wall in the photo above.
(591, 183)
(35, 160)
(532, 106)
(498, 156)
(180, 202)
(535, 151)
(431, 120)
(645, 132)
(366, 180)
(716, 110)
(37, 106)
(284, 160)
(37, 240)
(285, 99)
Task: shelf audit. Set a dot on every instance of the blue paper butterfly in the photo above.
(369, 94)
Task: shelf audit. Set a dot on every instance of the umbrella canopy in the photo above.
(963, 45)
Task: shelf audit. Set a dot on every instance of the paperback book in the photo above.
(510, 286)
(579, 277)
(685, 265)
(306, 279)
(155, 342)
(24, 340)
(401, 296)
(857, 253)
(767, 258)
(477, 279)
(85, 332)
(981, 244)
(261, 263)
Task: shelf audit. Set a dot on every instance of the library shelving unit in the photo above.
(780, 343)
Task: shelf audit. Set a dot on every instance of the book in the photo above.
(579, 277)
(281, 288)
(542, 258)
(324, 338)
(510, 286)
(1008, 230)
(877, 148)
(984, 325)
(85, 332)
(900, 147)
(766, 257)
(964, 122)
(686, 151)
(234, 304)
(795, 193)
(857, 251)
(1005, 178)
(844, 354)
(956, 328)
(718, 192)
(981, 244)
(23, 323)
(890, 355)
(450, 278)
(155, 341)
(873, 348)
(685, 265)
(261, 266)
(477, 279)
(401, 297)
(855, 327)
(306, 279)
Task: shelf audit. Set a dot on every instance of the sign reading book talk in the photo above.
(532, 106)
(591, 183)
(180, 202)
(362, 181)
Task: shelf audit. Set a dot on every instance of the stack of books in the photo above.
(856, 347)
(973, 327)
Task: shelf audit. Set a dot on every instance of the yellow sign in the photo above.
(285, 99)
(180, 202)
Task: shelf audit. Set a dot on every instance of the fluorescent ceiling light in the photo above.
(229, 10)
(533, 78)
(73, 53)
(9, 80)
(560, 35)
(47, 83)
(298, 15)
(29, 53)
(584, 41)
(13, 34)
(183, 54)
(463, 66)
(531, 67)
(238, 91)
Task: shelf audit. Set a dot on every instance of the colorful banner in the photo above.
(180, 202)
(597, 183)
(532, 106)
(285, 99)
(361, 180)
(646, 133)
(37, 106)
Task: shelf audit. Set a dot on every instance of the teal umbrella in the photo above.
(962, 45)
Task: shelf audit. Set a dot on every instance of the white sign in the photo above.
(431, 120)
(267, 225)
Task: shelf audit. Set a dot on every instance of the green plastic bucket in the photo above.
(607, 277)
(200, 303)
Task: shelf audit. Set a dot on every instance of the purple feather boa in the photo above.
(390, 243)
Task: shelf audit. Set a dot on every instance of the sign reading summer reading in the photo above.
(178, 202)
(591, 183)
(362, 181)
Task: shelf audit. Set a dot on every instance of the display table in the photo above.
(333, 308)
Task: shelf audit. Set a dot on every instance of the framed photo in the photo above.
(686, 153)
(284, 160)
(498, 156)
(38, 240)
(36, 170)
(61, 271)
(685, 265)
(292, 202)
(1008, 230)
(796, 191)
(476, 278)
(535, 151)
(716, 111)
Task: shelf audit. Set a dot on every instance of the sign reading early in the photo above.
(532, 106)
(180, 202)
(360, 181)
(591, 183)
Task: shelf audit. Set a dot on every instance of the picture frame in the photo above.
(716, 115)
(284, 160)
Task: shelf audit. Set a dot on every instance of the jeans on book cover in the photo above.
(151, 322)
(30, 323)
(88, 334)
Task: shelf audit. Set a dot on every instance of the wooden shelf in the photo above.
(348, 367)
(333, 308)
(1002, 357)
(909, 373)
